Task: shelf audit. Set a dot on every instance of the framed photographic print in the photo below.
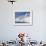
(23, 18)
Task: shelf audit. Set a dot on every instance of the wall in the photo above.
(9, 31)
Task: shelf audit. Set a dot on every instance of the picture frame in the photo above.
(23, 18)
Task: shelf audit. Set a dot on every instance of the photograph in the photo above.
(22, 22)
(23, 18)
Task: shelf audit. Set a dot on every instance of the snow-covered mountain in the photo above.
(23, 18)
